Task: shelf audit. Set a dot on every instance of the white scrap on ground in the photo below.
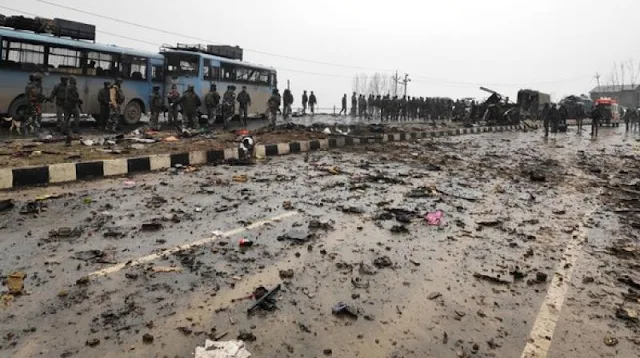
(227, 349)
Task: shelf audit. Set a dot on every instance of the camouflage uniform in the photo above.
(35, 98)
(190, 103)
(274, 105)
(305, 100)
(103, 99)
(157, 105)
(287, 101)
(212, 101)
(172, 98)
(244, 101)
(313, 101)
(58, 95)
(116, 99)
(72, 103)
(228, 105)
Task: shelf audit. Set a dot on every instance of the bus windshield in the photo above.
(181, 64)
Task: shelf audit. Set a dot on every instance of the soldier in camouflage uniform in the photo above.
(212, 101)
(72, 104)
(244, 102)
(228, 105)
(274, 104)
(157, 106)
(35, 98)
(172, 98)
(116, 99)
(103, 99)
(190, 102)
(58, 95)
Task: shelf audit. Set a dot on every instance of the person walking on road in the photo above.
(212, 101)
(305, 100)
(627, 118)
(354, 105)
(103, 100)
(313, 101)
(546, 118)
(172, 98)
(596, 116)
(244, 102)
(274, 105)
(190, 103)
(228, 105)
(57, 95)
(287, 101)
(116, 99)
(157, 106)
(344, 105)
(72, 104)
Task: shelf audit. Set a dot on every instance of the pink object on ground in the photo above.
(434, 218)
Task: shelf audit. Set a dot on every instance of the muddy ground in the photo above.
(50, 147)
(521, 218)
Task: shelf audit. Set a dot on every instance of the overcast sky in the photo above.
(448, 48)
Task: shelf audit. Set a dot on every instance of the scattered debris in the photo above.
(147, 338)
(287, 205)
(264, 299)
(434, 218)
(343, 309)
(434, 295)
(286, 274)
(6, 204)
(164, 269)
(247, 336)
(243, 178)
(611, 341)
(226, 349)
(399, 229)
(93, 342)
(15, 282)
(382, 262)
(297, 236)
(493, 279)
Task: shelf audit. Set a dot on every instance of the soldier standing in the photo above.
(305, 100)
(313, 101)
(228, 105)
(190, 103)
(157, 105)
(35, 98)
(58, 94)
(116, 99)
(627, 118)
(172, 98)
(244, 101)
(103, 99)
(72, 104)
(274, 104)
(212, 101)
(287, 100)
(344, 105)
(596, 116)
(354, 105)
(370, 101)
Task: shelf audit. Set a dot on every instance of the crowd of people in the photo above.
(401, 108)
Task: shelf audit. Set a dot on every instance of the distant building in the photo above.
(627, 96)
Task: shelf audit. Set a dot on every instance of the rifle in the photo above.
(265, 301)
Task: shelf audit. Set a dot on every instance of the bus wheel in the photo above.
(18, 108)
(132, 113)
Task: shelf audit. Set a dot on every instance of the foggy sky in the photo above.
(448, 48)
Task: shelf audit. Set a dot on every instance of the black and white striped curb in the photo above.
(69, 172)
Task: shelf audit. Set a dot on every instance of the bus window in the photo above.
(134, 68)
(101, 64)
(215, 73)
(181, 65)
(228, 73)
(263, 77)
(63, 60)
(156, 73)
(242, 74)
(206, 68)
(20, 55)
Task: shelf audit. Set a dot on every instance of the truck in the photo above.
(531, 102)
(610, 111)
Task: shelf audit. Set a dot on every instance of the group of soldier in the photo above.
(66, 97)
(398, 108)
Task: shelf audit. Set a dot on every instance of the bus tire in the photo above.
(132, 113)
(18, 108)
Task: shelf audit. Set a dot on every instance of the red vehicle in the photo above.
(610, 111)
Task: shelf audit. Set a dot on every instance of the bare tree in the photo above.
(379, 84)
(360, 83)
(634, 72)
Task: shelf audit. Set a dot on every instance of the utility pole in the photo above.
(597, 76)
(405, 82)
(395, 79)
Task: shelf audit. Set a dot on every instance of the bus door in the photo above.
(181, 69)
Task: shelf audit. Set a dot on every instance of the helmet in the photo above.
(118, 81)
(107, 83)
(156, 88)
(37, 76)
(213, 87)
(64, 79)
(73, 80)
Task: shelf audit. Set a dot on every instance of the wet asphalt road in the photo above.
(423, 302)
